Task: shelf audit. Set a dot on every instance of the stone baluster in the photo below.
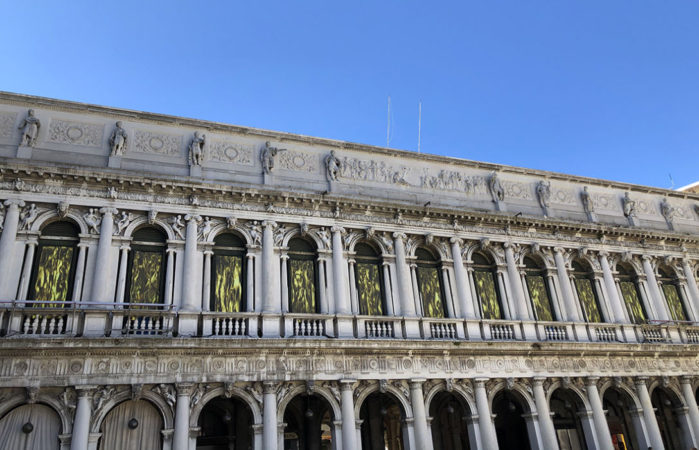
(181, 434)
(571, 313)
(485, 420)
(548, 432)
(417, 401)
(405, 292)
(463, 289)
(7, 246)
(649, 413)
(517, 290)
(656, 298)
(269, 415)
(610, 285)
(349, 433)
(598, 414)
(100, 278)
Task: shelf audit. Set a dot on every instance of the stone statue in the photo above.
(332, 166)
(93, 220)
(629, 206)
(62, 209)
(122, 222)
(255, 231)
(152, 215)
(267, 157)
(205, 228)
(30, 129)
(28, 216)
(587, 201)
(177, 225)
(667, 210)
(543, 193)
(117, 141)
(196, 149)
(495, 188)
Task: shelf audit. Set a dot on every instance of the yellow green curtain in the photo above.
(302, 292)
(369, 289)
(540, 297)
(228, 283)
(587, 298)
(674, 302)
(53, 273)
(428, 283)
(485, 288)
(145, 277)
(633, 304)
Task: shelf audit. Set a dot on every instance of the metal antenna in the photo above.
(388, 122)
(419, 124)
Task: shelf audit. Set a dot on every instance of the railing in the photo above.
(604, 333)
(307, 325)
(442, 328)
(651, 333)
(380, 328)
(498, 331)
(554, 332)
(229, 324)
(137, 320)
(691, 336)
(39, 318)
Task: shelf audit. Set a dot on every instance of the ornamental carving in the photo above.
(177, 225)
(517, 190)
(28, 216)
(229, 152)
(161, 144)
(121, 221)
(298, 161)
(75, 133)
(7, 124)
(370, 170)
(450, 180)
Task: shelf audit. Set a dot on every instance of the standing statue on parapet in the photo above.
(196, 149)
(588, 206)
(543, 193)
(332, 166)
(495, 188)
(117, 141)
(267, 157)
(629, 206)
(30, 129)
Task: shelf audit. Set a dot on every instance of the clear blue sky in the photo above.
(606, 89)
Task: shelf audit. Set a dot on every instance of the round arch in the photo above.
(669, 389)
(355, 238)
(518, 390)
(622, 387)
(395, 392)
(20, 399)
(222, 392)
(457, 389)
(141, 222)
(120, 397)
(49, 217)
(301, 389)
(488, 252)
(572, 388)
(310, 235)
(222, 228)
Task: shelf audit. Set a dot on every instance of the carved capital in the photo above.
(591, 381)
(338, 229)
(560, 251)
(400, 236)
(108, 211)
(14, 203)
(456, 240)
(270, 387)
(269, 224)
(185, 389)
(347, 385)
(192, 217)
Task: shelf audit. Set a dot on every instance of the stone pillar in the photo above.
(206, 289)
(649, 413)
(269, 416)
(417, 401)
(610, 285)
(285, 283)
(100, 277)
(189, 294)
(354, 296)
(27, 270)
(448, 299)
(598, 416)
(121, 279)
(405, 290)
(656, 298)
(342, 304)
(548, 432)
(521, 311)
(349, 433)
(81, 424)
(250, 283)
(690, 400)
(461, 278)
(387, 289)
(181, 435)
(7, 246)
(79, 272)
(169, 275)
(691, 284)
(571, 313)
(485, 419)
(269, 303)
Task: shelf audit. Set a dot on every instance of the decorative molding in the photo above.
(231, 152)
(161, 144)
(76, 133)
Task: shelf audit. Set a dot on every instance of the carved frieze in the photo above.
(161, 144)
(517, 190)
(231, 152)
(451, 180)
(75, 133)
(370, 170)
(298, 161)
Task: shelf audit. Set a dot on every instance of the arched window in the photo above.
(228, 274)
(53, 269)
(429, 283)
(369, 280)
(584, 286)
(538, 290)
(484, 276)
(303, 280)
(146, 269)
(629, 291)
(670, 288)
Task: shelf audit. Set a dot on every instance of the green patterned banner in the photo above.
(428, 282)
(369, 289)
(540, 297)
(145, 277)
(633, 304)
(587, 299)
(53, 274)
(485, 288)
(228, 283)
(674, 302)
(302, 292)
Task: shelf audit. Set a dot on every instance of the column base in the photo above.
(344, 327)
(24, 152)
(95, 324)
(187, 324)
(473, 330)
(411, 328)
(114, 162)
(271, 326)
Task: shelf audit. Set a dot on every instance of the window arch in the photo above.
(53, 268)
(584, 279)
(369, 280)
(485, 276)
(228, 274)
(429, 283)
(628, 284)
(146, 266)
(670, 287)
(302, 277)
(538, 290)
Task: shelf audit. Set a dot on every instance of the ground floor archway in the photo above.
(133, 424)
(618, 405)
(450, 422)
(30, 427)
(510, 426)
(225, 424)
(383, 425)
(309, 424)
(666, 406)
(566, 407)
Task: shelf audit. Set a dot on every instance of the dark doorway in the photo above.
(565, 406)
(309, 424)
(618, 404)
(510, 426)
(225, 424)
(382, 423)
(450, 416)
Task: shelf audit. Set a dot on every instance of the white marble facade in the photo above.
(195, 181)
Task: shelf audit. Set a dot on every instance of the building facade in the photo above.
(179, 284)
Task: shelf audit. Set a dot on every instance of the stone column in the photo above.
(416, 290)
(285, 283)
(610, 285)
(100, 277)
(7, 245)
(349, 433)
(169, 275)
(79, 272)
(521, 311)
(571, 313)
(269, 416)
(121, 279)
(387, 288)
(27, 270)
(405, 289)
(461, 278)
(181, 435)
(189, 271)
(81, 424)
(417, 401)
(342, 304)
(269, 303)
(206, 288)
(691, 284)
(250, 283)
(354, 296)
(656, 298)
(485, 419)
(598, 416)
(548, 432)
(649, 413)
(690, 400)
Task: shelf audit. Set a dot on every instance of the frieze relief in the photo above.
(564, 197)
(298, 161)
(7, 124)
(231, 152)
(517, 190)
(450, 180)
(364, 170)
(161, 144)
(75, 133)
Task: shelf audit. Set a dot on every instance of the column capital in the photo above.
(456, 240)
(647, 258)
(14, 202)
(194, 217)
(108, 211)
(511, 246)
(560, 250)
(480, 382)
(398, 236)
(686, 379)
(85, 390)
(347, 384)
(603, 253)
(591, 381)
(338, 229)
(538, 381)
(638, 381)
(269, 224)
(269, 387)
(184, 389)
(416, 383)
